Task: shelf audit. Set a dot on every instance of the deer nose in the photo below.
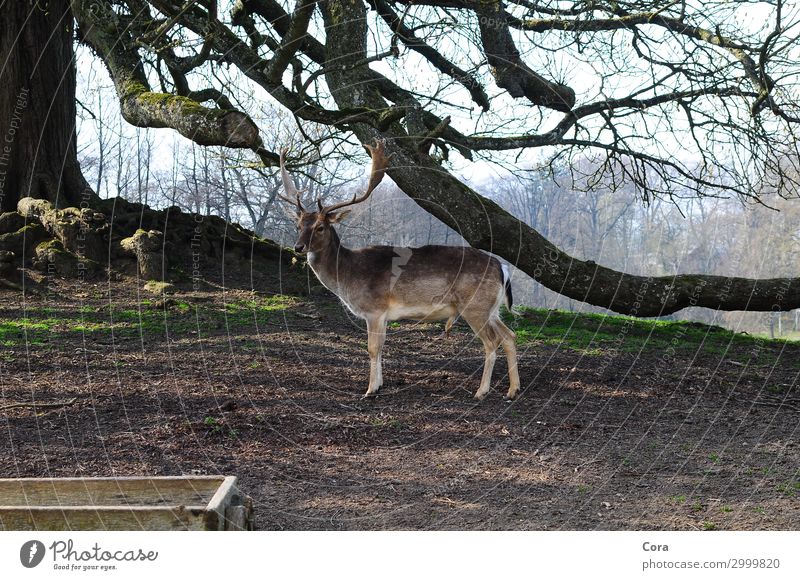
(300, 248)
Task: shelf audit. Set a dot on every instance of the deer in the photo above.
(384, 283)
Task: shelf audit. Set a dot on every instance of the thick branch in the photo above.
(248, 61)
(509, 71)
(202, 125)
(292, 39)
(415, 43)
(143, 108)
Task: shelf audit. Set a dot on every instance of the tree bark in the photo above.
(38, 154)
(509, 70)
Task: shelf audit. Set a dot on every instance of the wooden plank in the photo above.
(240, 517)
(75, 518)
(215, 511)
(110, 491)
(124, 503)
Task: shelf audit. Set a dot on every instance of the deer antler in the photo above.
(288, 185)
(380, 161)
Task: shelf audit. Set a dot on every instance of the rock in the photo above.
(84, 232)
(159, 287)
(23, 241)
(147, 247)
(53, 259)
(11, 222)
(30, 207)
(7, 266)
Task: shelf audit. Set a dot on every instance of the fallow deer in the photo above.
(383, 283)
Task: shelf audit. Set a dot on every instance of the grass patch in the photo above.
(150, 319)
(261, 309)
(709, 526)
(594, 334)
(789, 489)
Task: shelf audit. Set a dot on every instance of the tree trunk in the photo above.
(38, 155)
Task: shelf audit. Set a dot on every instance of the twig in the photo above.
(303, 315)
(53, 405)
(782, 405)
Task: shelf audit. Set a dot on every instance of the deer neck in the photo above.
(331, 264)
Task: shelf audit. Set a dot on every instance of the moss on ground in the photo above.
(153, 319)
(589, 334)
(598, 333)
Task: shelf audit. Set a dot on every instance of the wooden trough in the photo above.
(124, 503)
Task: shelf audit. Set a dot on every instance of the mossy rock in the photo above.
(47, 245)
(23, 241)
(7, 266)
(143, 241)
(147, 247)
(83, 232)
(11, 221)
(54, 260)
(155, 287)
(30, 207)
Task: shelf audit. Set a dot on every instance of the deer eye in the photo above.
(320, 228)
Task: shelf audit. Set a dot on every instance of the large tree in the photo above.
(38, 156)
(679, 98)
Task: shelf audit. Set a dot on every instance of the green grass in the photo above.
(150, 319)
(789, 489)
(592, 335)
(709, 526)
(219, 427)
(595, 334)
(262, 309)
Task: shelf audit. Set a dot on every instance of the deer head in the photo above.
(315, 230)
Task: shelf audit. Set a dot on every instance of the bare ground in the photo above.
(601, 438)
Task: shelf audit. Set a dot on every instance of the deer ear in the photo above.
(337, 217)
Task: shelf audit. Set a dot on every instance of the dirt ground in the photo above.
(671, 436)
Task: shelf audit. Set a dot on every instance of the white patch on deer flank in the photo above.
(402, 256)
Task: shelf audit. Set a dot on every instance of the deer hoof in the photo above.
(369, 395)
(510, 398)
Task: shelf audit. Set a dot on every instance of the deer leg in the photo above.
(447, 326)
(509, 339)
(491, 340)
(376, 336)
(490, 347)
